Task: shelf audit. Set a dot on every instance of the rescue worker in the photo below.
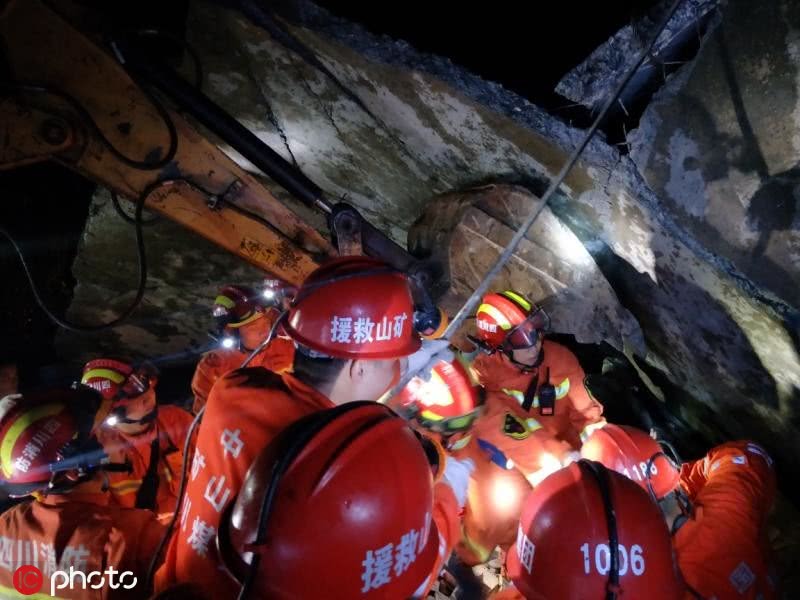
(569, 530)
(136, 429)
(387, 533)
(507, 467)
(716, 508)
(531, 372)
(352, 324)
(445, 406)
(537, 409)
(47, 451)
(243, 322)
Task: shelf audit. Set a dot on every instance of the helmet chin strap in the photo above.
(124, 420)
(509, 352)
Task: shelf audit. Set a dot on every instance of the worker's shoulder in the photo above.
(556, 354)
(14, 514)
(254, 378)
(242, 386)
(220, 357)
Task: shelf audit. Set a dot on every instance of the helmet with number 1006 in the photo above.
(569, 529)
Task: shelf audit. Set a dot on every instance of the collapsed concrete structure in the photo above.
(683, 254)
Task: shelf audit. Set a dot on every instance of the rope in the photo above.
(473, 300)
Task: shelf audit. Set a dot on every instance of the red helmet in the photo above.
(129, 390)
(449, 402)
(570, 526)
(315, 513)
(276, 290)
(636, 455)
(507, 321)
(43, 434)
(236, 306)
(355, 307)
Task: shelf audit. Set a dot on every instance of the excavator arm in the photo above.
(86, 102)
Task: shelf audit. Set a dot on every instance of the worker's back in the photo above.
(82, 532)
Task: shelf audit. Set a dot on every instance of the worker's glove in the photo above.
(421, 358)
(456, 475)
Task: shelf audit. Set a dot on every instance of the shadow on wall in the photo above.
(704, 344)
(774, 205)
(742, 229)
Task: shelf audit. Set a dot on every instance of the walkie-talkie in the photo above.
(547, 397)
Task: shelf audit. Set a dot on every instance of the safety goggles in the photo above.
(449, 425)
(138, 382)
(526, 334)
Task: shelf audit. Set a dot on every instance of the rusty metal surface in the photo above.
(253, 240)
(252, 223)
(29, 135)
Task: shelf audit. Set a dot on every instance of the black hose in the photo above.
(142, 165)
(210, 115)
(142, 261)
(125, 216)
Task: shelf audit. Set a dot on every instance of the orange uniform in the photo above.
(721, 549)
(81, 531)
(445, 516)
(577, 413)
(246, 410)
(512, 452)
(172, 425)
(278, 356)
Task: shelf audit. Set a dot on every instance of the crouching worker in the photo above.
(48, 452)
(348, 495)
(716, 508)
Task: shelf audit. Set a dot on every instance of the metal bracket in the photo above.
(346, 225)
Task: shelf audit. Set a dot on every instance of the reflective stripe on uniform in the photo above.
(519, 396)
(590, 429)
(128, 486)
(533, 425)
(482, 553)
(561, 391)
(498, 317)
